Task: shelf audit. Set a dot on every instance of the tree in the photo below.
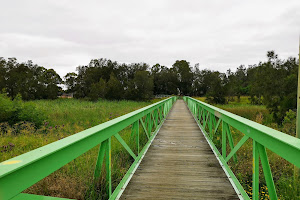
(216, 90)
(274, 83)
(141, 87)
(185, 76)
(70, 81)
(98, 90)
(237, 84)
(51, 82)
(2, 74)
(114, 88)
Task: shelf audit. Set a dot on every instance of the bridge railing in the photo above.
(286, 146)
(21, 172)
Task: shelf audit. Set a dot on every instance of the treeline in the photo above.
(29, 80)
(272, 82)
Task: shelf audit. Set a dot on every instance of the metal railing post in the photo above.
(255, 175)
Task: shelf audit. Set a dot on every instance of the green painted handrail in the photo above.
(21, 172)
(286, 146)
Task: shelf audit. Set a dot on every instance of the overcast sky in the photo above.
(218, 35)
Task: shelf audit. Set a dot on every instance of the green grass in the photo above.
(245, 109)
(67, 117)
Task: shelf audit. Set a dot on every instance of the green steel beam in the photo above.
(200, 114)
(133, 130)
(148, 124)
(232, 177)
(206, 119)
(123, 143)
(267, 171)
(210, 126)
(24, 196)
(137, 131)
(237, 147)
(108, 166)
(154, 120)
(217, 126)
(19, 173)
(255, 175)
(230, 141)
(263, 137)
(214, 121)
(286, 146)
(144, 127)
(223, 140)
(203, 117)
(160, 113)
(120, 188)
(99, 163)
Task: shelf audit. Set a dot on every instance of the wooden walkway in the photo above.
(179, 164)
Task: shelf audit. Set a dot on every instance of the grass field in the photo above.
(67, 117)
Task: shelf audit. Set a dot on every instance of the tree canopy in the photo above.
(272, 82)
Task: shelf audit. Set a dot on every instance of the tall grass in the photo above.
(67, 117)
(244, 109)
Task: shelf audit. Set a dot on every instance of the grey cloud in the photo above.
(217, 34)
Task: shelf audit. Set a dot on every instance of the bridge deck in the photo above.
(179, 164)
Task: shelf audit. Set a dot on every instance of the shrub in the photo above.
(31, 114)
(6, 108)
(13, 111)
(289, 123)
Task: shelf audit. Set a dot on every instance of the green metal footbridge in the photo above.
(179, 161)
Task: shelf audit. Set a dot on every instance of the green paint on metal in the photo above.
(120, 187)
(280, 143)
(108, 166)
(223, 140)
(210, 126)
(120, 139)
(214, 121)
(206, 119)
(267, 171)
(153, 120)
(35, 165)
(159, 112)
(137, 125)
(227, 168)
(230, 140)
(100, 159)
(24, 196)
(148, 124)
(263, 137)
(255, 174)
(144, 127)
(217, 126)
(237, 147)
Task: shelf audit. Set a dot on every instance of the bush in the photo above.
(289, 123)
(14, 111)
(31, 114)
(7, 109)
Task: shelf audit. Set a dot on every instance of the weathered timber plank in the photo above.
(179, 164)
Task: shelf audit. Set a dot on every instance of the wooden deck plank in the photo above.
(179, 164)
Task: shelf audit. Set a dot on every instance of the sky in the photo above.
(217, 34)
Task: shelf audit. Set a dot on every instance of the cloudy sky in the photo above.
(63, 34)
